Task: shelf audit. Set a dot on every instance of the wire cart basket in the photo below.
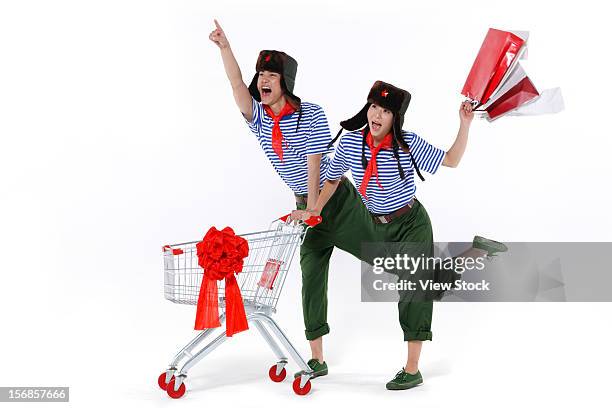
(261, 283)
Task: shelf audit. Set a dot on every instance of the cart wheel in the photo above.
(175, 394)
(274, 377)
(301, 391)
(161, 381)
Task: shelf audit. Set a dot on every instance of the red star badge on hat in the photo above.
(267, 58)
(384, 93)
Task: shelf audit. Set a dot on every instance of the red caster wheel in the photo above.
(277, 378)
(161, 381)
(301, 391)
(175, 394)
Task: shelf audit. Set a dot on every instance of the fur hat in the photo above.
(394, 99)
(387, 96)
(281, 63)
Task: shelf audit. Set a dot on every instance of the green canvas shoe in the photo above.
(492, 247)
(404, 380)
(320, 369)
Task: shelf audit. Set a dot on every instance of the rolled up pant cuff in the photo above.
(315, 334)
(417, 335)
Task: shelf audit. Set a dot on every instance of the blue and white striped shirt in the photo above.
(312, 137)
(396, 192)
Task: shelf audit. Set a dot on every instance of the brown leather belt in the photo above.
(387, 218)
(302, 199)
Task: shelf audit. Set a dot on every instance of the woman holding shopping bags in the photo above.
(383, 160)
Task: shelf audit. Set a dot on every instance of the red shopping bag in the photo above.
(497, 53)
(518, 95)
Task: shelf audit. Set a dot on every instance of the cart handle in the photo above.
(311, 222)
(175, 251)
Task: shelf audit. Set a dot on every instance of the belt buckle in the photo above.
(382, 219)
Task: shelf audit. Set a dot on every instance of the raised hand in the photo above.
(218, 36)
(465, 113)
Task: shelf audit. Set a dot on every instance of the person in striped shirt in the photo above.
(383, 160)
(295, 138)
(294, 135)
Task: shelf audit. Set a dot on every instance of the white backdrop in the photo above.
(119, 134)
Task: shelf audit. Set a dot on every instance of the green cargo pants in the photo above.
(412, 227)
(346, 225)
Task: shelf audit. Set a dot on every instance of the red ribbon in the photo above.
(277, 135)
(372, 169)
(221, 254)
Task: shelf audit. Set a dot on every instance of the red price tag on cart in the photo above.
(269, 273)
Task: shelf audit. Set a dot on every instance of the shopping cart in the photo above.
(261, 282)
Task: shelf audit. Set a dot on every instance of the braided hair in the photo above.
(398, 138)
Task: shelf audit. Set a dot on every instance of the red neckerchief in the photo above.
(372, 169)
(277, 135)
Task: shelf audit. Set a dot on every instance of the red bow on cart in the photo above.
(221, 255)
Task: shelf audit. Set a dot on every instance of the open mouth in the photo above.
(375, 126)
(266, 91)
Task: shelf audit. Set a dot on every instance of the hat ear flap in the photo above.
(358, 121)
(253, 88)
(288, 81)
(397, 134)
(404, 108)
(294, 100)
